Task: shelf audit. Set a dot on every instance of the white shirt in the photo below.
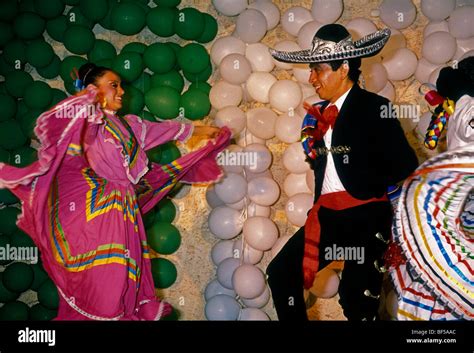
(331, 182)
(461, 123)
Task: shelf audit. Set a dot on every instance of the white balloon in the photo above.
(294, 18)
(388, 91)
(258, 302)
(261, 122)
(246, 138)
(269, 10)
(325, 284)
(223, 94)
(288, 127)
(279, 244)
(460, 3)
(391, 304)
(230, 159)
(263, 191)
(396, 41)
(251, 26)
(310, 182)
(307, 32)
(211, 197)
(259, 158)
(235, 69)
(260, 233)
(230, 7)
(461, 25)
(301, 72)
(254, 209)
(463, 46)
(308, 91)
(214, 288)
(401, 64)
(467, 55)
(295, 184)
(222, 307)
(327, 11)
(436, 26)
(424, 70)
(233, 117)
(253, 314)
(294, 159)
(222, 250)
(286, 45)
(359, 27)
(232, 188)
(225, 222)
(285, 95)
(225, 270)
(439, 47)
(398, 14)
(248, 281)
(434, 75)
(437, 10)
(297, 207)
(224, 46)
(260, 58)
(248, 254)
(259, 84)
(375, 77)
(239, 205)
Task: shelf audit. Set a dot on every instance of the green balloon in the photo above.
(56, 27)
(58, 96)
(18, 277)
(79, 39)
(4, 156)
(148, 116)
(17, 81)
(20, 239)
(162, 102)
(135, 47)
(149, 218)
(71, 2)
(196, 104)
(128, 66)
(38, 95)
(48, 295)
(6, 33)
(173, 316)
(167, 3)
(49, 9)
(21, 109)
(171, 79)
(128, 18)
(169, 153)
(193, 58)
(39, 313)
(11, 135)
(143, 83)
(165, 211)
(14, 311)
(164, 272)
(7, 198)
(159, 58)
(8, 104)
(202, 76)
(15, 51)
(39, 53)
(69, 87)
(203, 86)
(154, 154)
(160, 21)
(76, 17)
(210, 29)
(8, 217)
(176, 48)
(5, 68)
(68, 64)
(108, 63)
(101, 50)
(175, 190)
(4, 244)
(133, 101)
(163, 237)
(106, 22)
(6, 295)
(8, 10)
(28, 122)
(94, 10)
(23, 156)
(29, 25)
(52, 69)
(189, 23)
(27, 6)
(40, 276)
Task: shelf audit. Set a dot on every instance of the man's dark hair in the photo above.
(354, 65)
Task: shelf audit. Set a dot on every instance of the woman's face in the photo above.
(110, 90)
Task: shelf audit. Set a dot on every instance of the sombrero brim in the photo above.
(367, 46)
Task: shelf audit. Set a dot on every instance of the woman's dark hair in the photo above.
(353, 63)
(90, 73)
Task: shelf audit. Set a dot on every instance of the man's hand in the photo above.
(206, 131)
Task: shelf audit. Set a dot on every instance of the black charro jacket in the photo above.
(370, 152)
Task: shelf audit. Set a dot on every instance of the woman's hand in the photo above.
(206, 131)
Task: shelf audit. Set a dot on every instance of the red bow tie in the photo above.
(326, 119)
(329, 116)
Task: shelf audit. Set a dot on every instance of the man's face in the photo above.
(325, 81)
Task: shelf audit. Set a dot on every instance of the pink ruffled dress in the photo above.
(83, 202)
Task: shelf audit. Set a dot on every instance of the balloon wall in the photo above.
(208, 62)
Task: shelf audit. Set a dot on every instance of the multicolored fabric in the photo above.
(84, 198)
(431, 227)
(309, 128)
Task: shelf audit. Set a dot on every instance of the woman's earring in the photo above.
(104, 103)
